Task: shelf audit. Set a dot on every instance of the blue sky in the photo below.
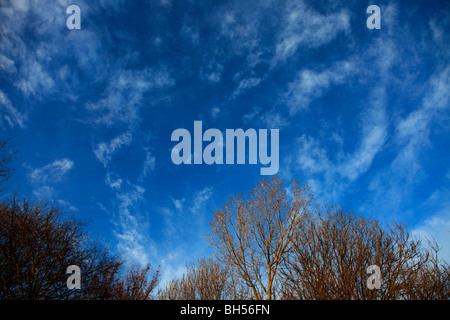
(363, 115)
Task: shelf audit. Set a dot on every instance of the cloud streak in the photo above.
(45, 178)
(10, 113)
(124, 96)
(310, 84)
(52, 172)
(105, 150)
(307, 28)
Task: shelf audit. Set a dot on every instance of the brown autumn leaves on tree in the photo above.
(274, 243)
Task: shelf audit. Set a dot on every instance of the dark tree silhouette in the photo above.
(37, 244)
(137, 284)
(6, 156)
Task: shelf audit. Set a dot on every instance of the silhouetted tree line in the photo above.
(38, 241)
(273, 243)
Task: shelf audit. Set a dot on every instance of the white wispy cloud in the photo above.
(436, 226)
(246, 83)
(7, 65)
(52, 172)
(29, 65)
(124, 96)
(45, 178)
(330, 176)
(239, 27)
(310, 84)
(312, 157)
(132, 229)
(306, 27)
(212, 70)
(243, 30)
(412, 138)
(70, 62)
(190, 32)
(133, 232)
(175, 215)
(171, 227)
(173, 266)
(175, 254)
(394, 184)
(199, 199)
(10, 113)
(113, 182)
(32, 66)
(66, 205)
(332, 171)
(148, 165)
(178, 203)
(36, 81)
(373, 136)
(131, 223)
(239, 31)
(104, 150)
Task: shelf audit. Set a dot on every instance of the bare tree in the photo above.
(432, 280)
(37, 244)
(6, 156)
(174, 289)
(36, 247)
(137, 284)
(206, 279)
(334, 248)
(254, 235)
(277, 244)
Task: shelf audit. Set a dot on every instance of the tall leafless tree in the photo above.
(137, 284)
(37, 244)
(334, 248)
(206, 279)
(254, 235)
